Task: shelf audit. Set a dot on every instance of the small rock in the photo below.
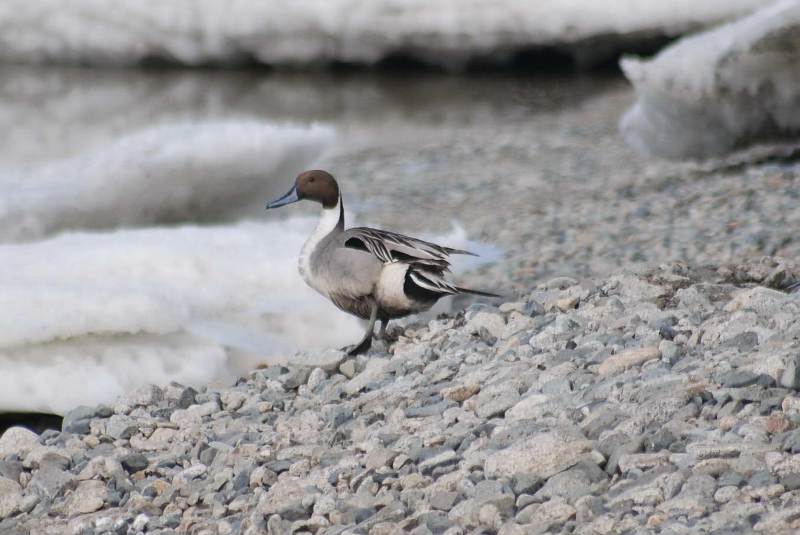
(461, 392)
(790, 378)
(50, 481)
(443, 501)
(134, 462)
(493, 322)
(737, 379)
(627, 359)
(121, 427)
(669, 351)
(10, 497)
(17, 440)
(88, 497)
(498, 405)
(549, 515)
(445, 458)
(642, 461)
(542, 456)
(373, 372)
(286, 498)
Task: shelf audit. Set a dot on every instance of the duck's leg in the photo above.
(366, 342)
(382, 330)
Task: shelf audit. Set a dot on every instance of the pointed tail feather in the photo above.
(450, 250)
(477, 292)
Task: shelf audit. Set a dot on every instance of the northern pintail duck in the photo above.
(370, 273)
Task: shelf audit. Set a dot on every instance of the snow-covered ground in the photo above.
(711, 92)
(290, 32)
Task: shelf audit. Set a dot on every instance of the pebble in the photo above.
(628, 358)
(541, 456)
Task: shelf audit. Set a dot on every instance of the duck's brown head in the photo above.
(315, 185)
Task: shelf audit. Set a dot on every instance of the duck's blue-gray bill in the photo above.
(289, 198)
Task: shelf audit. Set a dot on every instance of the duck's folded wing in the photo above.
(392, 247)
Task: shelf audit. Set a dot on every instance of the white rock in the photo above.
(373, 372)
(88, 497)
(541, 456)
(10, 497)
(528, 407)
(491, 321)
(17, 440)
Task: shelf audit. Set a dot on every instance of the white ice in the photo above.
(85, 317)
(194, 171)
(445, 32)
(712, 92)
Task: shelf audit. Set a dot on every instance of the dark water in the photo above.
(53, 112)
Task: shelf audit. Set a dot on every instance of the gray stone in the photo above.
(670, 351)
(295, 377)
(77, 420)
(432, 409)
(546, 516)
(498, 405)
(288, 499)
(337, 414)
(443, 501)
(737, 379)
(373, 373)
(534, 308)
(50, 481)
(443, 458)
(495, 493)
(569, 485)
(730, 479)
(11, 469)
(134, 462)
(121, 427)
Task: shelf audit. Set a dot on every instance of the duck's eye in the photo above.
(311, 179)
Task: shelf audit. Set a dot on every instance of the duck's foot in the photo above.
(388, 334)
(391, 335)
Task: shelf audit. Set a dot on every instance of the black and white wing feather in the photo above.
(427, 262)
(391, 247)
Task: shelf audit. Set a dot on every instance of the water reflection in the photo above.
(49, 113)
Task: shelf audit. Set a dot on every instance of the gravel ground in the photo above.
(655, 400)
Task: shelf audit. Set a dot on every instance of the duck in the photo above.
(375, 275)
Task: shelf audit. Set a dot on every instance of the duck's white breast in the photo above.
(328, 220)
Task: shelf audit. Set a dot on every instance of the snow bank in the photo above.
(187, 172)
(712, 92)
(290, 32)
(85, 317)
